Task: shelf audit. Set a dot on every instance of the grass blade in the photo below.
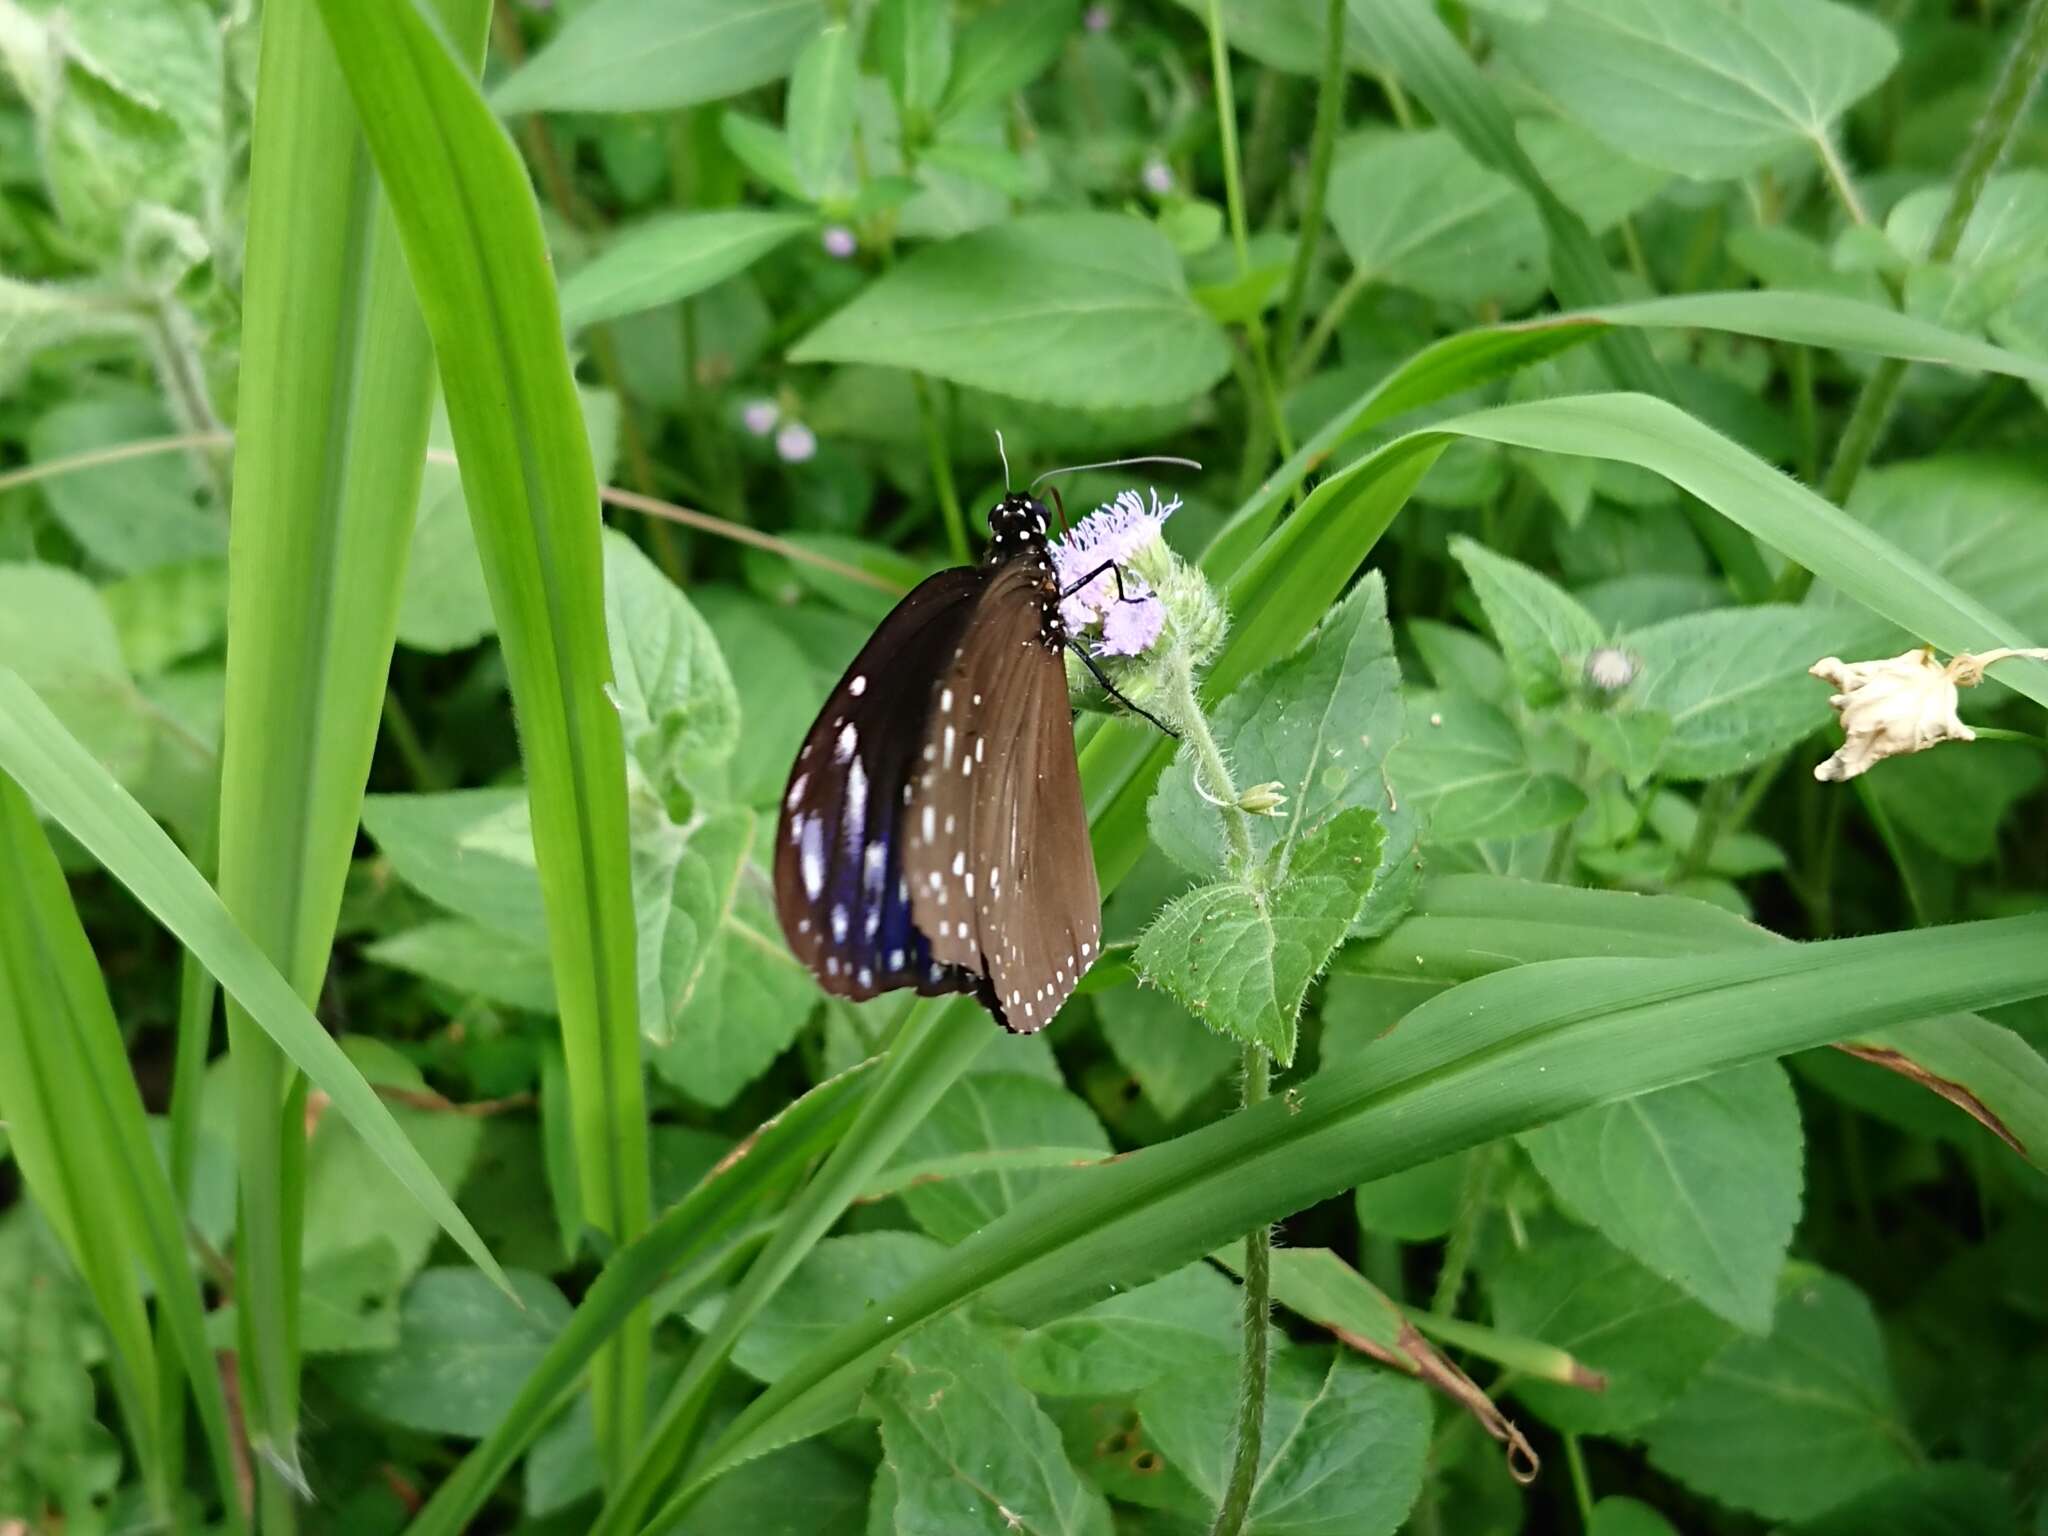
(472, 236)
(336, 389)
(81, 1140)
(934, 1047)
(68, 784)
(778, 1151)
(1484, 1060)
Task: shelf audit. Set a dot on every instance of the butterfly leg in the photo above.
(1111, 689)
(1114, 570)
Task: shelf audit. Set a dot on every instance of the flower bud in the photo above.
(1262, 799)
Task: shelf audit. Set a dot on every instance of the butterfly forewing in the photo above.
(841, 890)
(997, 857)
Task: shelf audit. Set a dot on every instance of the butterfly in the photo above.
(932, 834)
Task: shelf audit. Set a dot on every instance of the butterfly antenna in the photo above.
(1150, 458)
(1004, 454)
(1061, 506)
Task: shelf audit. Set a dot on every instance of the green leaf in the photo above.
(444, 604)
(985, 1113)
(740, 996)
(348, 1302)
(52, 1447)
(1005, 48)
(1343, 1448)
(913, 42)
(1616, 1515)
(1957, 802)
(471, 850)
(1240, 956)
(820, 106)
(1733, 684)
(1080, 309)
(972, 1453)
(1416, 211)
(1789, 1426)
(2000, 251)
(1704, 91)
(1644, 1337)
(1464, 769)
(804, 1490)
(653, 55)
(675, 698)
(1543, 631)
(59, 637)
(1948, 1499)
(169, 613)
(1701, 1183)
(464, 1347)
(128, 516)
(474, 960)
(1600, 185)
(1417, 1205)
(1971, 517)
(672, 257)
(1137, 1338)
(1321, 722)
(1174, 1060)
(838, 1280)
(348, 1191)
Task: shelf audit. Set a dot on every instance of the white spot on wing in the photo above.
(810, 833)
(849, 738)
(857, 687)
(796, 790)
(838, 923)
(929, 822)
(856, 821)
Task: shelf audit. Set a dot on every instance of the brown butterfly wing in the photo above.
(996, 850)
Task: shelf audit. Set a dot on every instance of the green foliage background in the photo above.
(533, 1184)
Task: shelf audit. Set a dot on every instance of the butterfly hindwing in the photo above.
(999, 867)
(840, 886)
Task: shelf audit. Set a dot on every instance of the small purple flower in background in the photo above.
(838, 241)
(1157, 176)
(795, 442)
(1113, 532)
(760, 416)
(1096, 19)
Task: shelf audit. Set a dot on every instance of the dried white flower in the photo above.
(1905, 703)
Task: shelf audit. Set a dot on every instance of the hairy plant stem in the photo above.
(1995, 131)
(1322, 150)
(1251, 1381)
(1186, 710)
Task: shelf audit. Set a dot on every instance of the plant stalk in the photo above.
(1251, 1384)
(1995, 131)
(1322, 150)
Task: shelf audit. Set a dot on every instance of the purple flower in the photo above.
(760, 416)
(838, 241)
(1128, 629)
(1157, 176)
(1096, 19)
(795, 442)
(1113, 533)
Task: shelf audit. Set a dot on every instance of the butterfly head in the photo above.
(1019, 521)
